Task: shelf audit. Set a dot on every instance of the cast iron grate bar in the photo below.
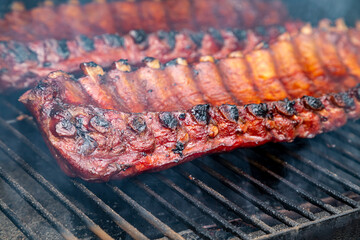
(281, 198)
(335, 194)
(51, 189)
(165, 229)
(258, 203)
(307, 196)
(326, 172)
(345, 152)
(215, 216)
(188, 221)
(122, 223)
(229, 204)
(17, 222)
(335, 162)
(37, 206)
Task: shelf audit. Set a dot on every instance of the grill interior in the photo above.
(311, 187)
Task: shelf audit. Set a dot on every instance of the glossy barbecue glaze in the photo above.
(114, 124)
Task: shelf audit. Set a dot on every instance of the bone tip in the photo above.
(207, 59)
(152, 62)
(18, 7)
(236, 54)
(48, 3)
(307, 29)
(325, 24)
(357, 24)
(91, 68)
(123, 65)
(341, 25)
(181, 61)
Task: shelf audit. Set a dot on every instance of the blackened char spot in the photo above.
(148, 59)
(89, 64)
(217, 36)
(168, 120)
(241, 35)
(87, 144)
(65, 128)
(113, 40)
(138, 124)
(357, 92)
(265, 45)
(201, 113)
(63, 49)
(169, 36)
(99, 121)
(182, 116)
(197, 38)
(124, 61)
(286, 107)
(281, 29)
(343, 100)
(179, 147)
(46, 64)
(231, 112)
(139, 36)
(261, 30)
(86, 43)
(313, 103)
(171, 63)
(258, 110)
(22, 53)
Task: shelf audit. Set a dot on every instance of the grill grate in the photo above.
(260, 193)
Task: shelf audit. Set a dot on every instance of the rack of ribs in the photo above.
(110, 124)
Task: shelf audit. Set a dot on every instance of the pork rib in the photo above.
(118, 123)
(98, 144)
(69, 20)
(22, 64)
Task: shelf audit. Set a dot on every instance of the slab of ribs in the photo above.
(164, 82)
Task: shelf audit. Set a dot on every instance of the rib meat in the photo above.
(22, 64)
(67, 21)
(122, 122)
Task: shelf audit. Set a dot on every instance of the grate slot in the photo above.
(307, 196)
(229, 204)
(281, 198)
(335, 162)
(219, 219)
(326, 172)
(122, 223)
(345, 152)
(37, 206)
(191, 224)
(258, 203)
(51, 189)
(165, 229)
(15, 219)
(335, 194)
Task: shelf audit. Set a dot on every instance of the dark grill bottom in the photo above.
(301, 190)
